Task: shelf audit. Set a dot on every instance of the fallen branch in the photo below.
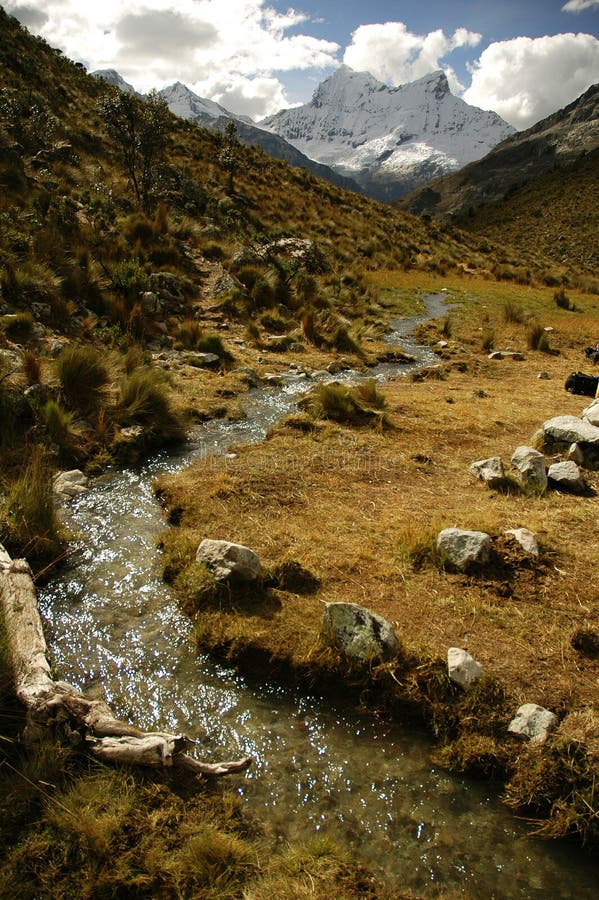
(48, 703)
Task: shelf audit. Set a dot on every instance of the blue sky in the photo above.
(494, 21)
(523, 58)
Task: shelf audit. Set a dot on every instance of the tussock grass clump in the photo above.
(32, 370)
(479, 755)
(342, 340)
(513, 312)
(488, 340)
(59, 424)
(144, 399)
(83, 377)
(191, 336)
(419, 546)
(537, 339)
(29, 526)
(562, 301)
(557, 790)
(362, 405)
(18, 327)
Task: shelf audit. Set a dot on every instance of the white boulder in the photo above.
(591, 413)
(566, 476)
(491, 471)
(531, 466)
(463, 549)
(462, 668)
(570, 430)
(67, 485)
(533, 722)
(527, 539)
(227, 560)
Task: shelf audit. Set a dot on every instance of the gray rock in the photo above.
(533, 722)
(202, 360)
(463, 549)
(591, 413)
(227, 560)
(360, 633)
(491, 471)
(67, 485)
(166, 285)
(150, 303)
(570, 430)
(462, 668)
(337, 366)
(5, 559)
(515, 355)
(567, 477)
(227, 284)
(576, 454)
(527, 539)
(531, 466)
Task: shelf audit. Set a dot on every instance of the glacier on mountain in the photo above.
(389, 139)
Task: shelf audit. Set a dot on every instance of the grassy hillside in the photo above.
(554, 219)
(535, 193)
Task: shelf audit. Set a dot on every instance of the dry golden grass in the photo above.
(350, 505)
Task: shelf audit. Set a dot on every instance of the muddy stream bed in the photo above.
(114, 630)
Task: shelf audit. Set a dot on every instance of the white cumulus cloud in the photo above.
(395, 55)
(224, 49)
(526, 79)
(576, 6)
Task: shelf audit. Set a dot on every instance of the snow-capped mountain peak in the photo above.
(183, 102)
(111, 76)
(390, 137)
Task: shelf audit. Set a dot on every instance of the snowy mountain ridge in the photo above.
(389, 139)
(385, 140)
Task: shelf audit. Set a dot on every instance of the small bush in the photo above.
(83, 377)
(189, 334)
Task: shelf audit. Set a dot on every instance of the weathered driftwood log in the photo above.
(48, 702)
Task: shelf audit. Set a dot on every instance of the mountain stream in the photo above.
(114, 630)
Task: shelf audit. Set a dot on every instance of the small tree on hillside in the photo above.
(140, 127)
(229, 154)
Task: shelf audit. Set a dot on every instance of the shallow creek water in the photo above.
(114, 628)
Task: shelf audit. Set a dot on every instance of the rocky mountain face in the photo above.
(553, 144)
(389, 139)
(111, 76)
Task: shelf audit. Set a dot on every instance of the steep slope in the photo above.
(388, 139)
(556, 142)
(184, 103)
